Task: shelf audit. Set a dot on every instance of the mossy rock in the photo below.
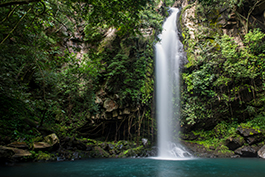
(246, 131)
(234, 142)
(43, 156)
(138, 151)
(100, 153)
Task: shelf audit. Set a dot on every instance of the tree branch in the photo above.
(4, 4)
(15, 26)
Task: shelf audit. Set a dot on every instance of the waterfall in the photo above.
(169, 53)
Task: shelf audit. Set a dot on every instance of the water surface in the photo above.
(140, 167)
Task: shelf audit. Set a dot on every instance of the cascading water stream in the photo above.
(169, 53)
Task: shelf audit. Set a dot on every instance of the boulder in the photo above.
(235, 156)
(261, 152)
(41, 146)
(247, 131)
(251, 135)
(50, 142)
(234, 142)
(255, 139)
(246, 151)
(52, 139)
(110, 105)
(20, 145)
(9, 152)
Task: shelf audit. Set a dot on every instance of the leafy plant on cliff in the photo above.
(224, 80)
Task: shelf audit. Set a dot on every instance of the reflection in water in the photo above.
(140, 168)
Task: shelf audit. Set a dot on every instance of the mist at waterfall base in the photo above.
(169, 54)
(139, 168)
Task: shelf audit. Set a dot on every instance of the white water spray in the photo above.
(169, 52)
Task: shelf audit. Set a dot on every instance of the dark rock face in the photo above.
(252, 136)
(234, 143)
(255, 139)
(246, 151)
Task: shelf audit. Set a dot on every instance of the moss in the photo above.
(44, 156)
(99, 152)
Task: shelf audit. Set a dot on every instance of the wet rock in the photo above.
(261, 152)
(60, 159)
(246, 151)
(235, 156)
(234, 142)
(153, 152)
(20, 145)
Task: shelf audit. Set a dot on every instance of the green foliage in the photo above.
(222, 75)
(217, 136)
(44, 80)
(42, 156)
